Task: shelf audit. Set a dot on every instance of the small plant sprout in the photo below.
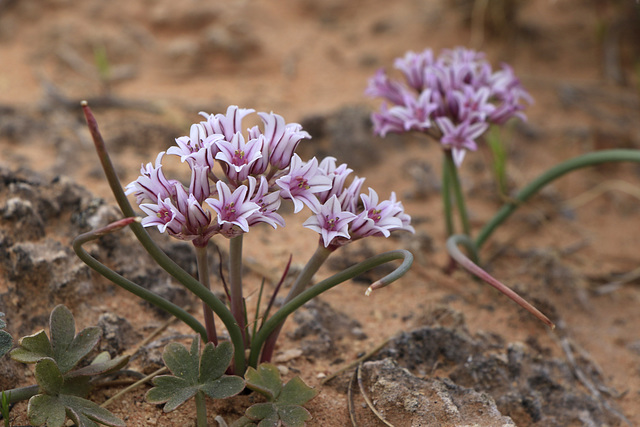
(195, 375)
(239, 179)
(454, 98)
(62, 390)
(284, 402)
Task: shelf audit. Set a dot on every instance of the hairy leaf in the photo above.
(265, 380)
(192, 373)
(48, 376)
(283, 409)
(47, 409)
(32, 348)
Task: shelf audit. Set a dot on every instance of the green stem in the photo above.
(555, 172)
(203, 276)
(446, 196)
(302, 281)
(351, 272)
(235, 333)
(128, 285)
(201, 409)
(457, 191)
(235, 284)
(304, 278)
(22, 393)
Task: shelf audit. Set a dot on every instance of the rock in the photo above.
(526, 383)
(117, 334)
(404, 399)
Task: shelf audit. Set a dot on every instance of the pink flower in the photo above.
(457, 90)
(238, 155)
(302, 182)
(151, 185)
(330, 221)
(233, 209)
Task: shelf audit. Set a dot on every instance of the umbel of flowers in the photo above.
(238, 181)
(453, 97)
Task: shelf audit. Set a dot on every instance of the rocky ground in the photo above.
(457, 352)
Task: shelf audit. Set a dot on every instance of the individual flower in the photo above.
(238, 156)
(460, 137)
(152, 184)
(330, 221)
(302, 182)
(281, 139)
(376, 218)
(453, 97)
(165, 216)
(233, 209)
(268, 204)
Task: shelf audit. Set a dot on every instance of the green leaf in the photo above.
(188, 379)
(32, 348)
(285, 408)
(76, 386)
(46, 409)
(296, 392)
(243, 422)
(226, 386)
(101, 367)
(79, 347)
(166, 386)
(181, 363)
(260, 411)
(62, 329)
(3, 324)
(293, 415)
(84, 410)
(48, 376)
(265, 380)
(6, 342)
(215, 360)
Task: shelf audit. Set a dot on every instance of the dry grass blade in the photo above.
(602, 188)
(132, 386)
(566, 345)
(365, 396)
(356, 362)
(616, 284)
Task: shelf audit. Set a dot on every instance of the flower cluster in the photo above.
(243, 180)
(453, 97)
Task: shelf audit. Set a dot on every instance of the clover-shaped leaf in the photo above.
(284, 406)
(193, 374)
(66, 348)
(6, 342)
(54, 403)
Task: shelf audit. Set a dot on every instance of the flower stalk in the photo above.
(203, 276)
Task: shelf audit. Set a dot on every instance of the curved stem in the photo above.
(327, 284)
(235, 333)
(454, 251)
(302, 281)
(457, 191)
(555, 172)
(22, 393)
(203, 276)
(127, 284)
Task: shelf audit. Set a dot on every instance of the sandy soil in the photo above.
(310, 61)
